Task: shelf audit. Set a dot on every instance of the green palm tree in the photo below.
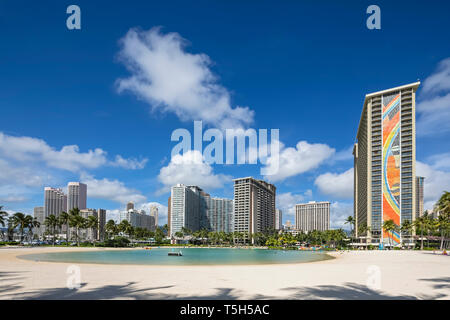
(420, 224)
(111, 228)
(443, 207)
(351, 221)
(51, 222)
(126, 228)
(21, 221)
(389, 226)
(444, 226)
(64, 218)
(406, 227)
(78, 222)
(92, 223)
(3, 215)
(34, 223)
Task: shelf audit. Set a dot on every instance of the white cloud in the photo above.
(113, 190)
(339, 211)
(433, 107)
(338, 185)
(113, 215)
(21, 175)
(434, 115)
(440, 79)
(440, 161)
(287, 201)
(343, 155)
(33, 150)
(294, 161)
(436, 182)
(131, 163)
(173, 80)
(162, 211)
(190, 169)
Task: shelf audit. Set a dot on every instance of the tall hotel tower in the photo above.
(312, 216)
(384, 162)
(77, 195)
(55, 201)
(254, 205)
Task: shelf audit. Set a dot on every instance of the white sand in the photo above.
(401, 275)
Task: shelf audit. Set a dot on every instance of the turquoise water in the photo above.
(191, 256)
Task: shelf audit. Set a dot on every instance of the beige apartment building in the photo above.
(254, 205)
(312, 216)
(384, 162)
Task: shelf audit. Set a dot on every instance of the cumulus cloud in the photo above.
(436, 182)
(339, 211)
(439, 80)
(173, 80)
(337, 185)
(34, 150)
(113, 190)
(343, 155)
(131, 163)
(433, 107)
(23, 175)
(190, 169)
(440, 161)
(162, 211)
(293, 161)
(287, 201)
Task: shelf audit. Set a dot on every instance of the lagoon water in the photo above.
(191, 256)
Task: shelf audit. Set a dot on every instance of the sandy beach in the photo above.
(352, 275)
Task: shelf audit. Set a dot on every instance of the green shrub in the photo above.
(8, 243)
(117, 242)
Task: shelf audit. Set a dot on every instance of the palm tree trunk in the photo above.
(442, 239)
(421, 239)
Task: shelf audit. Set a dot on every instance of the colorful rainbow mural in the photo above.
(391, 162)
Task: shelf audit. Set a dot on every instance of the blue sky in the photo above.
(100, 104)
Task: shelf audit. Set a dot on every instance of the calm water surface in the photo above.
(191, 256)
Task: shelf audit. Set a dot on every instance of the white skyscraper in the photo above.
(154, 213)
(188, 208)
(278, 219)
(77, 195)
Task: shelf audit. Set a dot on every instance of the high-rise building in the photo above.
(138, 219)
(55, 201)
(154, 213)
(76, 195)
(219, 214)
(384, 162)
(419, 196)
(130, 205)
(169, 210)
(254, 206)
(278, 219)
(187, 208)
(87, 233)
(312, 216)
(101, 215)
(39, 215)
